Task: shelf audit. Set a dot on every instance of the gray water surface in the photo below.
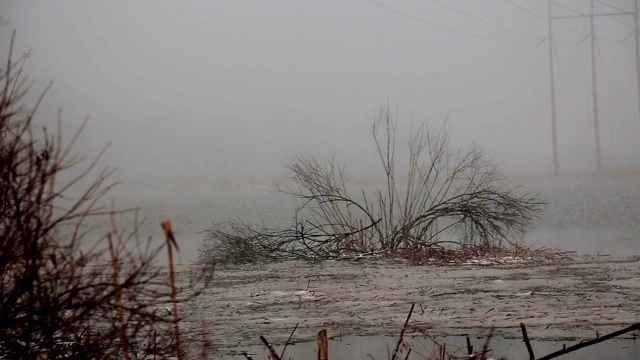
(501, 346)
(593, 215)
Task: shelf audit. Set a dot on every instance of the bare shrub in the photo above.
(238, 243)
(62, 297)
(439, 192)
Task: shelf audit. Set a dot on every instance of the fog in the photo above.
(203, 98)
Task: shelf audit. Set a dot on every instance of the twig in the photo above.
(171, 241)
(323, 345)
(526, 341)
(591, 342)
(400, 339)
(469, 347)
(485, 347)
(444, 293)
(116, 284)
(289, 339)
(272, 351)
(205, 342)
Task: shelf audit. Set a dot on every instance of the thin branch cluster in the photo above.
(60, 296)
(438, 198)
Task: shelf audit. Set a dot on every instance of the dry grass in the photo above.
(64, 294)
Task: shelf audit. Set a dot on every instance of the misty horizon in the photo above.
(197, 99)
(233, 89)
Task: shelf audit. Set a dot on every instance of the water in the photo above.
(586, 215)
(589, 215)
(505, 345)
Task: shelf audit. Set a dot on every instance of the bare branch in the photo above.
(448, 197)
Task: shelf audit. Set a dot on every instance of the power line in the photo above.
(612, 17)
(611, 6)
(485, 21)
(615, 56)
(568, 8)
(398, 12)
(542, 18)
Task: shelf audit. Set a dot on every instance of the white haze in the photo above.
(199, 98)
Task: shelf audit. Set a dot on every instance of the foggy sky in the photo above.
(191, 94)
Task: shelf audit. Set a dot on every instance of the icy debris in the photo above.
(303, 293)
(499, 261)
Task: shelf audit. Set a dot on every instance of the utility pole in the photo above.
(591, 16)
(554, 136)
(636, 30)
(594, 81)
